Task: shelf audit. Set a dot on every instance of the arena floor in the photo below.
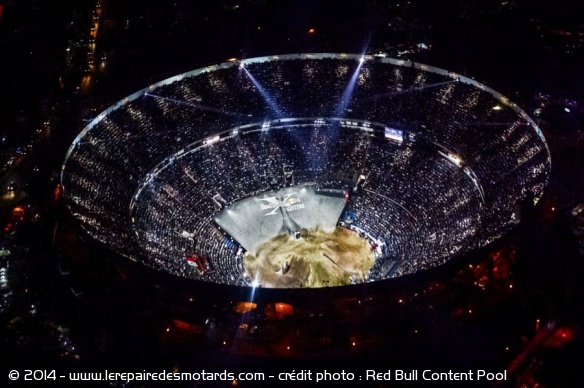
(315, 259)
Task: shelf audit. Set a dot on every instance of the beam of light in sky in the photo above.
(269, 100)
(346, 97)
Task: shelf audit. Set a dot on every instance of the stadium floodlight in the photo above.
(497, 107)
(211, 140)
(254, 285)
(455, 159)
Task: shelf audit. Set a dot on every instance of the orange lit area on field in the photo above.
(18, 212)
(9, 196)
(180, 331)
(560, 337)
(244, 307)
(279, 311)
(186, 326)
(57, 192)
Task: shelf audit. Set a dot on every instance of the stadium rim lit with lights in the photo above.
(190, 174)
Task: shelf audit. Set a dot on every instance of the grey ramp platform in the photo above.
(254, 220)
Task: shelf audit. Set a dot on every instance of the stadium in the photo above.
(302, 171)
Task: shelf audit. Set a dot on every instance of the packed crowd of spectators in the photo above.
(423, 207)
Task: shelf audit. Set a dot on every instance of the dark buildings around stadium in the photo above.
(509, 300)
